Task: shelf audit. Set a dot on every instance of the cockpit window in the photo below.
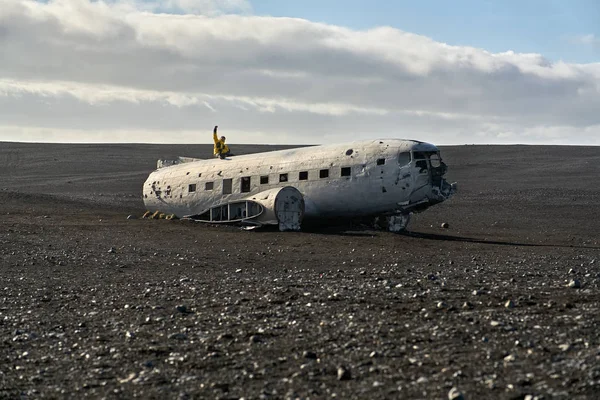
(433, 156)
(403, 159)
(421, 158)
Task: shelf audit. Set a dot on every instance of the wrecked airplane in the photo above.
(385, 179)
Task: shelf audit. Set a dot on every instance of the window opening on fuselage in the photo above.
(346, 171)
(264, 180)
(422, 165)
(403, 159)
(227, 186)
(191, 187)
(324, 173)
(421, 158)
(283, 177)
(303, 175)
(245, 184)
(209, 185)
(380, 161)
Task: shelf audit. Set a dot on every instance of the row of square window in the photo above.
(264, 180)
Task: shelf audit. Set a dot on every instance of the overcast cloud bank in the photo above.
(122, 71)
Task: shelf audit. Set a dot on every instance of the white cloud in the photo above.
(126, 66)
(587, 39)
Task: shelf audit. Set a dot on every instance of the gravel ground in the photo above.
(503, 304)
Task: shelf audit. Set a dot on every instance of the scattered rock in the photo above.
(225, 336)
(455, 394)
(509, 304)
(510, 358)
(574, 283)
(112, 250)
(183, 309)
(178, 336)
(565, 347)
(255, 339)
(445, 225)
(343, 373)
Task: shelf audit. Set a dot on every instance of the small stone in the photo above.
(441, 305)
(255, 339)
(309, 354)
(509, 304)
(182, 309)
(565, 347)
(575, 284)
(178, 336)
(112, 250)
(571, 271)
(344, 373)
(467, 304)
(130, 216)
(455, 394)
(495, 323)
(225, 336)
(477, 293)
(237, 271)
(509, 358)
(445, 225)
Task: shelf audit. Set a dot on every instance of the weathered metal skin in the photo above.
(387, 177)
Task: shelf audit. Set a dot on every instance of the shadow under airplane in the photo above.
(435, 236)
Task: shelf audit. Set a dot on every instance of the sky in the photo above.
(300, 72)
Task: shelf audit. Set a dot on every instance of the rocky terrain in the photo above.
(503, 304)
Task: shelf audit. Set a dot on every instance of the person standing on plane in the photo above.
(221, 150)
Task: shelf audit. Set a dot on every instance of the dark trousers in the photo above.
(223, 155)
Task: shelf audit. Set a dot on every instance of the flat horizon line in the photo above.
(287, 145)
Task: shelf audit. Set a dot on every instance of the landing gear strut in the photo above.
(393, 223)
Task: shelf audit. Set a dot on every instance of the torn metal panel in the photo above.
(279, 206)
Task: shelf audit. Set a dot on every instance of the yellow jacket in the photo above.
(220, 146)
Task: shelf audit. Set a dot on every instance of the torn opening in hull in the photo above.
(280, 206)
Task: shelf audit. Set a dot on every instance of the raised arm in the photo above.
(215, 138)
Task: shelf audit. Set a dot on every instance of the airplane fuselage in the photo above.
(355, 179)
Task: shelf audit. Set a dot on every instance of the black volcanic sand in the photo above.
(503, 304)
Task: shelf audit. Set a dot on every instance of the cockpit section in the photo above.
(430, 162)
(424, 164)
